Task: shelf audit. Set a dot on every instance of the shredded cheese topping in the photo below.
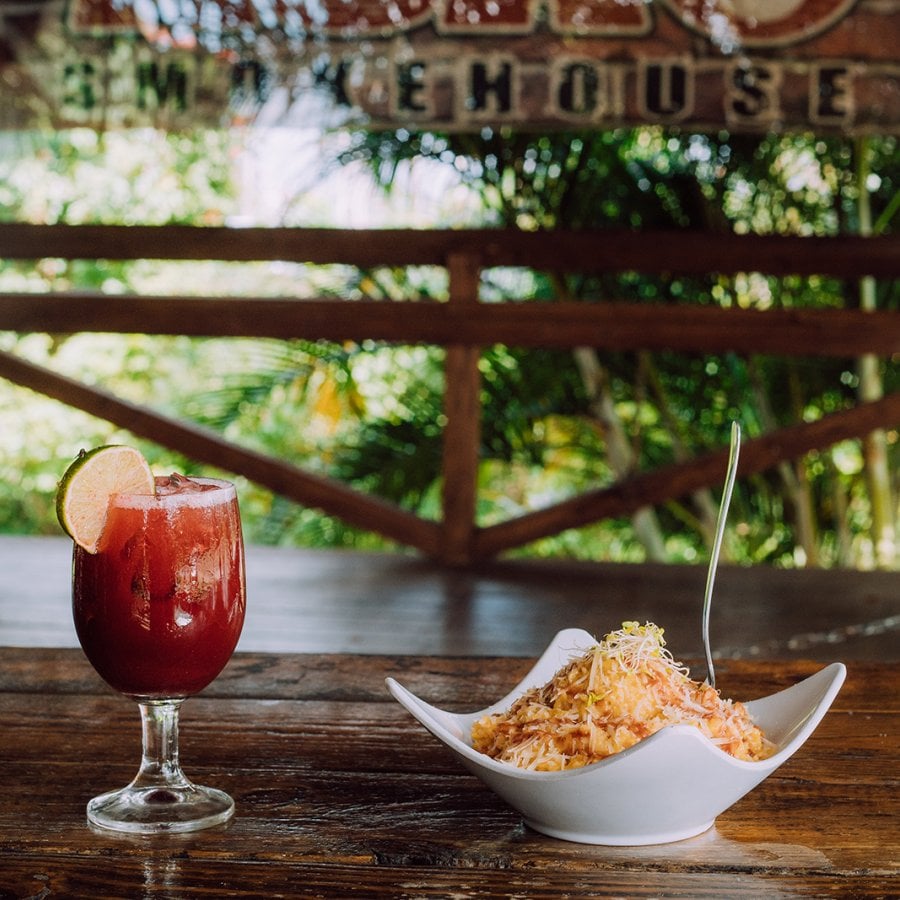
(622, 690)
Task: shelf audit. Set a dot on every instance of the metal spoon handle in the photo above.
(731, 473)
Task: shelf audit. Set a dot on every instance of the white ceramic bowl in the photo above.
(669, 786)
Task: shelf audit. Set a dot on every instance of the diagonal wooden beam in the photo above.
(680, 479)
(332, 497)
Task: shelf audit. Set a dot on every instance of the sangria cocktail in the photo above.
(158, 596)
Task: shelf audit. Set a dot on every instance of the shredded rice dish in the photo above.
(617, 693)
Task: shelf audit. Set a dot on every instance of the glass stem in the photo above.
(159, 760)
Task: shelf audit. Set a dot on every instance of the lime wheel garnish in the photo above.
(82, 497)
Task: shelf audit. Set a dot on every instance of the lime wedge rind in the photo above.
(82, 497)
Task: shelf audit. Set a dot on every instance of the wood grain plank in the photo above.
(340, 601)
(339, 790)
(448, 820)
(314, 814)
(452, 682)
(172, 876)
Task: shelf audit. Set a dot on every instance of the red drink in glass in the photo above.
(159, 608)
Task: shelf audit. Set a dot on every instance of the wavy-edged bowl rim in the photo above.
(830, 680)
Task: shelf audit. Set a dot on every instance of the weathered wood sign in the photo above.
(744, 65)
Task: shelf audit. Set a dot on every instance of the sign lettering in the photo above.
(740, 64)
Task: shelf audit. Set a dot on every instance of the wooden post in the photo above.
(462, 431)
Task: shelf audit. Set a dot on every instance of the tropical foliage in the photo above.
(554, 422)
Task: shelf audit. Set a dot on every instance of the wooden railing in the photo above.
(463, 325)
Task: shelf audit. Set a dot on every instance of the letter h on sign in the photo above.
(490, 88)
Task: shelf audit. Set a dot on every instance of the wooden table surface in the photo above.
(340, 793)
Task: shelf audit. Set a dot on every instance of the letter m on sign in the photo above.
(158, 86)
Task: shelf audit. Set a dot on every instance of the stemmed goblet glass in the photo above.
(158, 610)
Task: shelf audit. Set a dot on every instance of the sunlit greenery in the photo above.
(371, 415)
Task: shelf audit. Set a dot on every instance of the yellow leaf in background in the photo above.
(368, 287)
(327, 404)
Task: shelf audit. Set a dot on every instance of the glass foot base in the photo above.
(159, 809)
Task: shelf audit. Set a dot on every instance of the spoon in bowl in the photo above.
(731, 472)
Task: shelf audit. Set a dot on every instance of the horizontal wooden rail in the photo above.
(676, 252)
(609, 326)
